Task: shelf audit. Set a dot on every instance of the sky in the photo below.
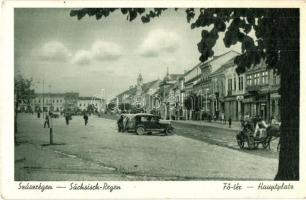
(89, 55)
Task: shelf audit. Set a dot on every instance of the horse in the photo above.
(273, 131)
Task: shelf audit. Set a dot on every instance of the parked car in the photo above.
(143, 123)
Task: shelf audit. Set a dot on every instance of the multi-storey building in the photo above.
(48, 102)
(166, 95)
(211, 87)
(234, 91)
(261, 97)
(139, 96)
(149, 89)
(93, 103)
(60, 102)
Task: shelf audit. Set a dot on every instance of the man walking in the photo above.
(85, 118)
(67, 117)
(47, 121)
(229, 122)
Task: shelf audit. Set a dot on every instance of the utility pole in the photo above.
(50, 117)
(43, 99)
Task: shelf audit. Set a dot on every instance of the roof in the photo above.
(50, 94)
(223, 67)
(209, 61)
(89, 98)
(188, 71)
(147, 86)
(219, 56)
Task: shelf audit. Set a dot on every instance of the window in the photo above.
(234, 83)
(274, 79)
(144, 119)
(57, 101)
(80, 105)
(264, 78)
(249, 80)
(240, 83)
(229, 84)
(256, 79)
(39, 101)
(53, 101)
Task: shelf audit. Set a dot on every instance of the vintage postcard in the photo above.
(152, 99)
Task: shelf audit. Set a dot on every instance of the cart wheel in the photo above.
(266, 143)
(240, 143)
(251, 143)
(140, 131)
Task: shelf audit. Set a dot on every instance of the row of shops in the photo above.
(210, 91)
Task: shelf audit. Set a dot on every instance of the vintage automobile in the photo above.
(143, 123)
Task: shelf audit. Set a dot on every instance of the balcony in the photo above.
(253, 88)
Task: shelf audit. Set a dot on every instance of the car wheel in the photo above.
(169, 130)
(140, 131)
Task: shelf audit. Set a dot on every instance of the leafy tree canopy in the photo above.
(23, 89)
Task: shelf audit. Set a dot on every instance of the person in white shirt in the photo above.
(261, 126)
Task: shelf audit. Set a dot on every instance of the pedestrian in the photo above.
(67, 117)
(229, 122)
(85, 118)
(120, 123)
(47, 121)
(222, 118)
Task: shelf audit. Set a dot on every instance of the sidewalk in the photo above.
(217, 124)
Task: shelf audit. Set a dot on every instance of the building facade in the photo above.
(61, 102)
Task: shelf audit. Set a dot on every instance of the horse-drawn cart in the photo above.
(246, 136)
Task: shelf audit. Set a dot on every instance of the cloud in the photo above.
(159, 41)
(82, 57)
(103, 50)
(54, 50)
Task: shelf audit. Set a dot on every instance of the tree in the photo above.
(91, 108)
(277, 34)
(23, 93)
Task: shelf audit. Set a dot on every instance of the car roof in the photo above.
(139, 114)
(143, 114)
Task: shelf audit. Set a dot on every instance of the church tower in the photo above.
(139, 80)
(138, 99)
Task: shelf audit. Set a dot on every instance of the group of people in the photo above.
(67, 115)
(258, 125)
